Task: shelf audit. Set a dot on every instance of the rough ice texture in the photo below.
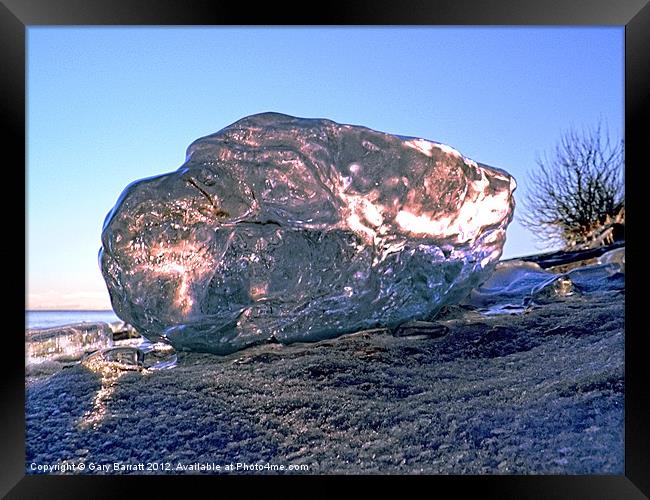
(298, 229)
(66, 342)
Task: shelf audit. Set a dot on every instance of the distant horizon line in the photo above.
(69, 310)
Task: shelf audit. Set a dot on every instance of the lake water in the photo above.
(47, 319)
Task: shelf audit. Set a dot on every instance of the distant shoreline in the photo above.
(69, 310)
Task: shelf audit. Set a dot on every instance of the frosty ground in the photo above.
(533, 393)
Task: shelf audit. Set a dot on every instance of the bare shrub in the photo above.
(577, 190)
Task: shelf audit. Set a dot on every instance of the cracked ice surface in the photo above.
(301, 229)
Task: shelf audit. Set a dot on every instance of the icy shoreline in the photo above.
(537, 392)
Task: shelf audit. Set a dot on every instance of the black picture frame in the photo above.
(17, 15)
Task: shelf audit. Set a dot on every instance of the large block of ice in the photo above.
(298, 229)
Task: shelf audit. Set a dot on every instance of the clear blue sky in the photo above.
(107, 106)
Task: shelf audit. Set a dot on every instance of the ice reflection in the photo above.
(114, 363)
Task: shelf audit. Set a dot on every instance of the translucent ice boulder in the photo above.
(298, 229)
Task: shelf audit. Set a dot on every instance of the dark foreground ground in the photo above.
(535, 393)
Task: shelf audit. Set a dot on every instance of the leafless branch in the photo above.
(577, 189)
